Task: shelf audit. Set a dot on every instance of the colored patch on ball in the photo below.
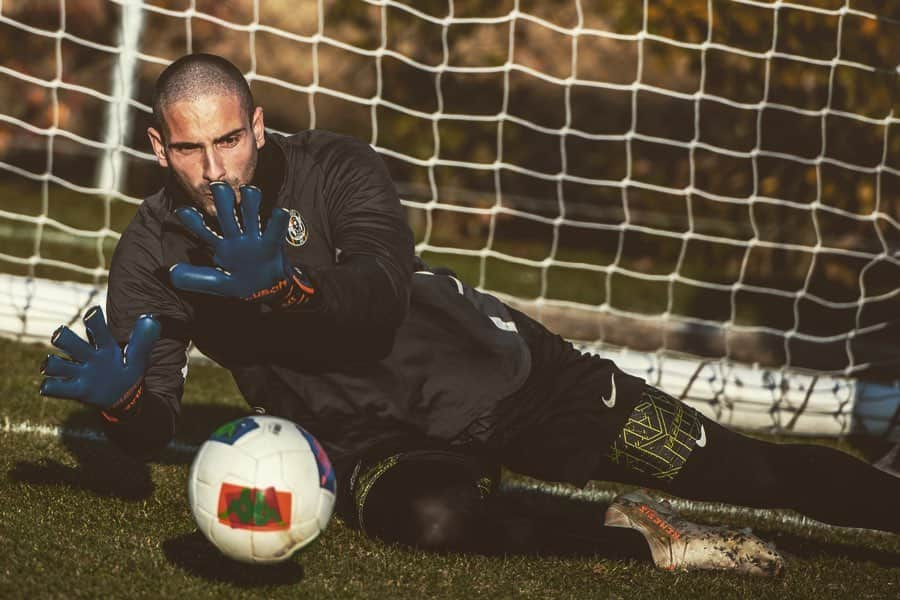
(326, 471)
(243, 507)
(232, 431)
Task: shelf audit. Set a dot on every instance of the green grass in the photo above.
(81, 520)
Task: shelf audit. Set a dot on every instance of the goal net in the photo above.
(706, 191)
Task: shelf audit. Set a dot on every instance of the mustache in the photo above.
(204, 190)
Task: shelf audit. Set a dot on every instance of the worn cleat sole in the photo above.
(678, 544)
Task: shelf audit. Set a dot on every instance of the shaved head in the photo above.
(194, 76)
(207, 128)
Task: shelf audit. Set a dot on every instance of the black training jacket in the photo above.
(387, 350)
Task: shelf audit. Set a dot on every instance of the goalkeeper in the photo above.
(288, 261)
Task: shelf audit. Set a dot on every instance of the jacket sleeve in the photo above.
(362, 298)
(152, 425)
(137, 286)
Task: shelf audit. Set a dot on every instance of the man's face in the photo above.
(209, 138)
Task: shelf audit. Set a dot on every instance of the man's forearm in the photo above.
(360, 292)
(144, 430)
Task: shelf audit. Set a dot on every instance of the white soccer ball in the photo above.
(261, 488)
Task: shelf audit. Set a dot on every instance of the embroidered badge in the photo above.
(297, 233)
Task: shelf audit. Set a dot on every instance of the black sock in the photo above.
(818, 481)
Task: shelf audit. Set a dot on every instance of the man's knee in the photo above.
(446, 520)
(423, 500)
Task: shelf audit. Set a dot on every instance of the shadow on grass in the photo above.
(105, 470)
(813, 546)
(101, 469)
(194, 554)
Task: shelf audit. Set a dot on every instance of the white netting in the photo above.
(715, 177)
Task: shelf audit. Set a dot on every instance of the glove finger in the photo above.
(193, 220)
(277, 226)
(72, 389)
(206, 280)
(223, 196)
(145, 333)
(56, 366)
(66, 340)
(251, 198)
(97, 330)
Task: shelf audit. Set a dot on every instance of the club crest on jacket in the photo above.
(297, 234)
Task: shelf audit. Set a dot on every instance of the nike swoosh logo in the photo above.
(611, 401)
(701, 441)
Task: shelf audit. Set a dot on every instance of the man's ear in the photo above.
(159, 147)
(259, 128)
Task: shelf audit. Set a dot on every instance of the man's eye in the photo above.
(229, 142)
(184, 150)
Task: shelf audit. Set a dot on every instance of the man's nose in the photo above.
(213, 167)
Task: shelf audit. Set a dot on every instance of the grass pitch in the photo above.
(81, 520)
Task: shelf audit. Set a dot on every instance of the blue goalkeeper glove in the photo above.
(250, 264)
(99, 373)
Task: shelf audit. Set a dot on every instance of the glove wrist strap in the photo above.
(127, 406)
(299, 290)
(293, 291)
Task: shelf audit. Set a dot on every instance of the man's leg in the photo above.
(585, 419)
(443, 501)
(820, 482)
(437, 501)
(667, 445)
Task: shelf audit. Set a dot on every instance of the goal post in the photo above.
(707, 191)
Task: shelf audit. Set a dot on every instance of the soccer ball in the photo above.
(261, 488)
